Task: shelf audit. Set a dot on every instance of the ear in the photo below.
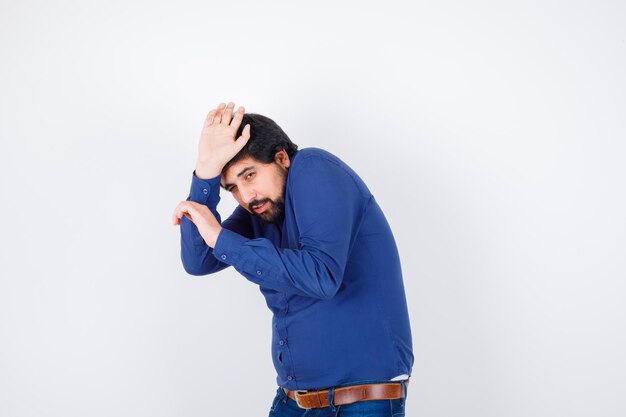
(282, 159)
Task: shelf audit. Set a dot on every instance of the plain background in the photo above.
(491, 133)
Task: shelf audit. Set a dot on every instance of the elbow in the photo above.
(324, 278)
(330, 284)
(328, 293)
(200, 267)
(194, 266)
(195, 270)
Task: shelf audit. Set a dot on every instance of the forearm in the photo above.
(306, 272)
(196, 255)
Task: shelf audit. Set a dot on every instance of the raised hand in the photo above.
(217, 141)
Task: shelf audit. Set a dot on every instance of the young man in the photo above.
(309, 232)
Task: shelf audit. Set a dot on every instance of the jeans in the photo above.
(283, 406)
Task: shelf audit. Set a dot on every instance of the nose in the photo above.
(247, 195)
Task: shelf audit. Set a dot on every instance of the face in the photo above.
(259, 187)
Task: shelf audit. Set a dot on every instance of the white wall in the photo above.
(491, 133)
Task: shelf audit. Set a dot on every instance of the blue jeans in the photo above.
(283, 406)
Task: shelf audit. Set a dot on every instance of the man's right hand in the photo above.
(217, 141)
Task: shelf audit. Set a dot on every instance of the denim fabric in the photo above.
(283, 406)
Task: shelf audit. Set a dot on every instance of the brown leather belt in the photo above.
(347, 395)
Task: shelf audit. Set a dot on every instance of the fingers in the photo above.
(184, 208)
(224, 114)
(243, 139)
(228, 113)
(217, 117)
(177, 215)
(238, 117)
(209, 117)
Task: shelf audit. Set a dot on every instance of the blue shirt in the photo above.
(330, 274)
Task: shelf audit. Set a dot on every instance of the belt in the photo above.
(347, 395)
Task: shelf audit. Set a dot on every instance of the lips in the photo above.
(260, 209)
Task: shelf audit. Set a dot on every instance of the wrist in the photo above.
(211, 236)
(208, 170)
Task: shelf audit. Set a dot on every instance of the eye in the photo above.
(250, 175)
(232, 189)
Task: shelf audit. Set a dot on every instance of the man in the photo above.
(309, 232)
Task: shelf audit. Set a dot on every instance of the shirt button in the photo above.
(258, 272)
(205, 191)
(281, 342)
(289, 377)
(223, 256)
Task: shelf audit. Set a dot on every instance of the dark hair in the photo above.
(266, 138)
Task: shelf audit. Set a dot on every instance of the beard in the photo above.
(276, 210)
(274, 213)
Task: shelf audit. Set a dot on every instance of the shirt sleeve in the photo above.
(197, 257)
(328, 205)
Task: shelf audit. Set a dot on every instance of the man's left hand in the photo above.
(201, 216)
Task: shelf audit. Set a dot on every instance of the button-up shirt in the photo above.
(329, 270)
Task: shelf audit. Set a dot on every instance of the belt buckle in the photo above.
(297, 395)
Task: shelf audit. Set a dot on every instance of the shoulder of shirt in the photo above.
(317, 154)
(323, 157)
(312, 152)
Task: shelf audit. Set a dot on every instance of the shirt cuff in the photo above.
(204, 191)
(228, 247)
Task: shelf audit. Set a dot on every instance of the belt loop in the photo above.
(403, 388)
(331, 399)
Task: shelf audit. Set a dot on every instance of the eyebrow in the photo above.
(227, 186)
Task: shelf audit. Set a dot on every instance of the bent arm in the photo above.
(195, 254)
(328, 206)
